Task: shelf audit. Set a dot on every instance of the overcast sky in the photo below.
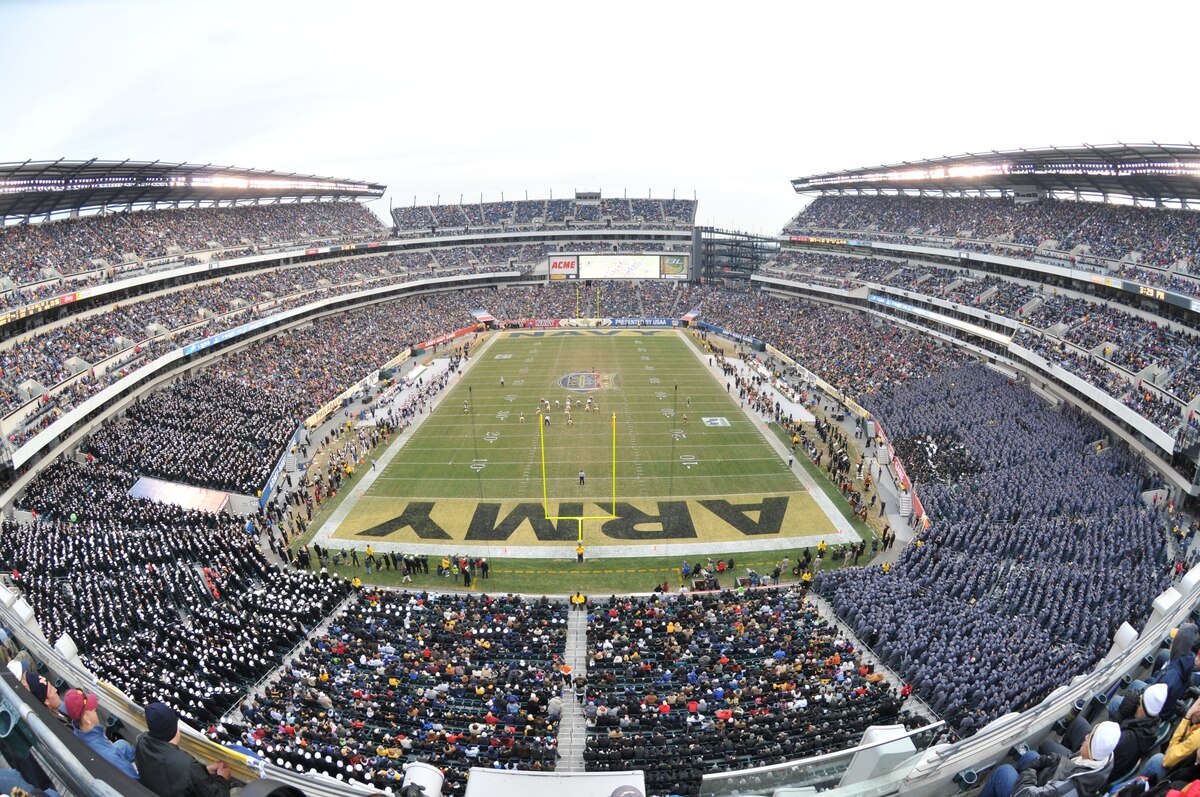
(723, 100)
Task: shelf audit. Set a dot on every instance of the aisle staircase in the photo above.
(572, 729)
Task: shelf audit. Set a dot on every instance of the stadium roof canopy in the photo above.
(42, 188)
(1145, 172)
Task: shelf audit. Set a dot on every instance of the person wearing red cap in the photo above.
(81, 710)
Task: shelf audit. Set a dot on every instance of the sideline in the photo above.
(845, 532)
(324, 535)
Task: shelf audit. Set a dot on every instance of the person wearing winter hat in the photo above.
(39, 687)
(1139, 721)
(1182, 661)
(81, 710)
(168, 771)
(1179, 762)
(1056, 775)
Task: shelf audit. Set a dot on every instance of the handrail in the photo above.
(118, 704)
(62, 760)
(817, 760)
(1011, 728)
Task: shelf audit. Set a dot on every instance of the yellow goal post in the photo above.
(545, 490)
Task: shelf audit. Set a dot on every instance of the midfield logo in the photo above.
(587, 382)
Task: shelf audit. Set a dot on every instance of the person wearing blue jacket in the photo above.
(81, 710)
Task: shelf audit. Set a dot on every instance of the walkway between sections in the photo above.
(572, 728)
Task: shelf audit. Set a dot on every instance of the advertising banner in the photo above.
(806, 239)
(562, 268)
(449, 336)
(755, 342)
(36, 307)
(673, 267)
(641, 322)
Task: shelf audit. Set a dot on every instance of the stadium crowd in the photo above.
(858, 355)
(43, 254)
(166, 603)
(682, 685)
(968, 615)
(452, 680)
(536, 214)
(1161, 237)
(207, 431)
(1132, 341)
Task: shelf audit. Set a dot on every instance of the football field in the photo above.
(664, 437)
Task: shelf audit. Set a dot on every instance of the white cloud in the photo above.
(449, 99)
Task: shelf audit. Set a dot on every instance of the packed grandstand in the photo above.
(1036, 382)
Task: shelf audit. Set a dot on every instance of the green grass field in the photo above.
(476, 475)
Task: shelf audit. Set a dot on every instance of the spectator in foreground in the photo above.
(81, 710)
(1054, 775)
(1176, 673)
(38, 686)
(1178, 763)
(168, 771)
(1139, 721)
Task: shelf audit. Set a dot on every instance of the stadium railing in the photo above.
(820, 771)
(27, 730)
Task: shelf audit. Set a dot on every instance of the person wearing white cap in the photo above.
(1139, 721)
(1056, 775)
(1179, 762)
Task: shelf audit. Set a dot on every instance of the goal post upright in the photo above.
(612, 510)
(542, 446)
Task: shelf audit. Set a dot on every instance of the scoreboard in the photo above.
(619, 266)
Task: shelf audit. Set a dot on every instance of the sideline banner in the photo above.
(752, 341)
(265, 494)
(449, 336)
(642, 322)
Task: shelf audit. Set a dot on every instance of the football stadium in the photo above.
(559, 494)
